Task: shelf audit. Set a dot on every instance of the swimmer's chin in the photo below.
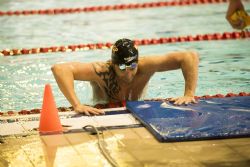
(127, 80)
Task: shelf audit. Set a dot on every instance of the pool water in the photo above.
(224, 65)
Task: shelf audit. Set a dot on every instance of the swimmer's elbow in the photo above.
(56, 69)
(194, 56)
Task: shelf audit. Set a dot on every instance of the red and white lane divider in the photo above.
(153, 41)
(110, 7)
(116, 105)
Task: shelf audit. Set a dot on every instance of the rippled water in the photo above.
(224, 65)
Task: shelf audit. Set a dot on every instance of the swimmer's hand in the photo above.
(88, 110)
(237, 24)
(232, 17)
(183, 100)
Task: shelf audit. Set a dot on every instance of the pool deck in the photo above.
(129, 147)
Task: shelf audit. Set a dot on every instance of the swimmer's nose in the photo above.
(129, 73)
(129, 69)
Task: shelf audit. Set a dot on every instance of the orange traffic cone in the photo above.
(49, 119)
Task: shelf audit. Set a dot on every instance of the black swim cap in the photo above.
(124, 52)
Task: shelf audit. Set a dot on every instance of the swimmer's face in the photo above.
(126, 73)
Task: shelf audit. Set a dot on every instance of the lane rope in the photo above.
(57, 11)
(116, 105)
(107, 45)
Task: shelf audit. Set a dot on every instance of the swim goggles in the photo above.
(123, 67)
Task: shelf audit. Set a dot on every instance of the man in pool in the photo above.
(125, 76)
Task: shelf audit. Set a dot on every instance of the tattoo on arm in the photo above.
(108, 76)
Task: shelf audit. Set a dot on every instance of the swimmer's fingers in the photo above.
(82, 112)
(237, 24)
(88, 110)
(183, 100)
(86, 113)
(194, 101)
(96, 111)
(177, 100)
(173, 99)
(93, 111)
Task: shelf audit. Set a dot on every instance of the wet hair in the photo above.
(124, 52)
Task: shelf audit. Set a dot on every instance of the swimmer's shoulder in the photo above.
(101, 67)
(145, 64)
(146, 59)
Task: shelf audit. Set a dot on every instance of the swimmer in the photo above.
(125, 76)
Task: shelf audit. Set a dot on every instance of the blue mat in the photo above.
(209, 119)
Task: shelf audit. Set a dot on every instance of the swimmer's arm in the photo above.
(65, 74)
(188, 62)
